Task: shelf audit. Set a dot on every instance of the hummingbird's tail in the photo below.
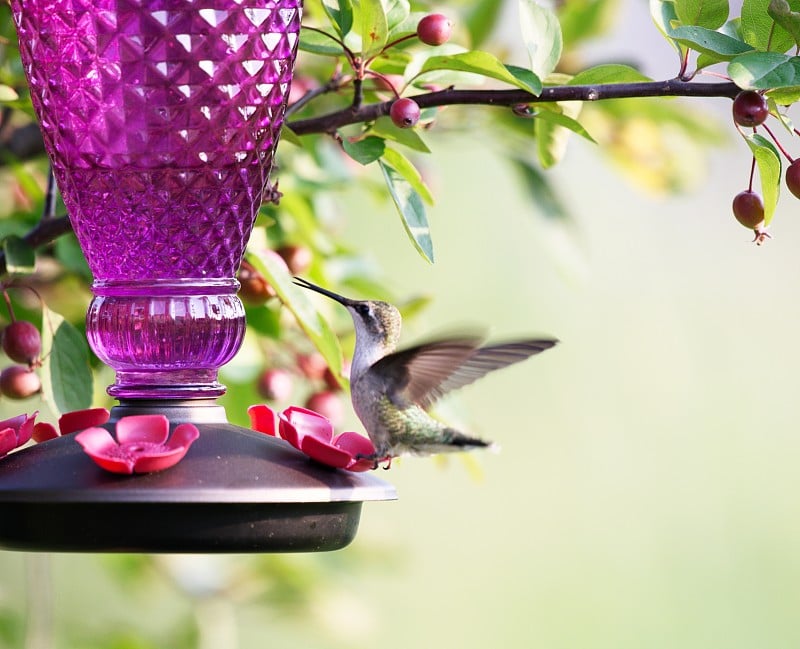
(458, 441)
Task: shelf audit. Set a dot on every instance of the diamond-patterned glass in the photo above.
(161, 118)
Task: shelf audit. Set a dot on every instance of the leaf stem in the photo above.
(7, 300)
(347, 51)
(777, 143)
(390, 45)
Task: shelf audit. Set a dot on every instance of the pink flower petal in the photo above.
(183, 436)
(262, 419)
(289, 432)
(25, 431)
(142, 429)
(325, 452)
(43, 431)
(158, 461)
(71, 422)
(13, 422)
(295, 423)
(8, 441)
(104, 451)
(356, 445)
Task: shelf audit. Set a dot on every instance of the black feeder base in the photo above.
(235, 491)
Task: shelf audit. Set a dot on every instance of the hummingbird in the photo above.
(392, 390)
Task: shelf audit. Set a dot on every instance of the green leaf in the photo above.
(785, 96)
(366, 150)
(541, 33)
(407, 170)
(481, 63)
(297, 301)
(663, 14)
(411, 209)
(565, 119)
(318, 43)
(703, 13)
(288, 135)
(714, 44)
(404, 28)
(582, 20)
(341, 15)
(765, 70)
(769, 171)
(481, 19)
(608, 73)
(20, 256)
(373, 26)
(760, 30)
(66, 377)
(552, 126)
(396, 13)
(527, 78)
(69, 253)
(7, 93)
(545, 199)
(783, 118)
(782, 14)
(385, 128)
(265, 320)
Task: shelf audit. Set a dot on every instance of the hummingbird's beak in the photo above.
(299, 281)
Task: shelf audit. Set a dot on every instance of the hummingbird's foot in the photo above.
(376, 458)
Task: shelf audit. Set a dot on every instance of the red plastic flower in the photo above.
(143, 444)
(70, 422)
(15, 432)
(311, 433)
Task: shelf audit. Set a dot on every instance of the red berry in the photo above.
(750, 108)
(434, 29)
(793, 177)
(313, 366)
(22, 342)
(748, 208)
(275, 385)
(404, 112)
(254, 290)
(297, 258)
(328, 405)
(18, 382)
(330, 379)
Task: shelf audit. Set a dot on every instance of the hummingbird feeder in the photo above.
(161, 119)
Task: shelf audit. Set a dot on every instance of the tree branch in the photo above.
(450, 97)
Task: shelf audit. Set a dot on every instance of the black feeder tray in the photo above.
(235, 491)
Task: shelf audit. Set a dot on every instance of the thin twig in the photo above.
(49, 209)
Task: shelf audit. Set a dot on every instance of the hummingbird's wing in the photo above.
(424, 373)
(483, 361)
(415, 372)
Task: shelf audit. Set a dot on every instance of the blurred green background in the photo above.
(647, 491)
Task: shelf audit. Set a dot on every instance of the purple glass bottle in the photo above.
(161, 118)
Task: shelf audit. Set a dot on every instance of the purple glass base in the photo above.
(166, 339)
